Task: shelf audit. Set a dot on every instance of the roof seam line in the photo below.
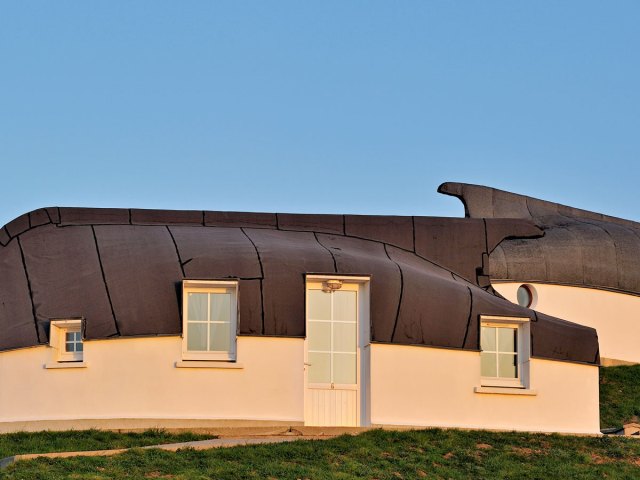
(335, 265)
(486, 236)
(175, 245)
(261, 277)
(26, 273)
(466, 333)
(413, 230)
(395, 324)
(104, 280)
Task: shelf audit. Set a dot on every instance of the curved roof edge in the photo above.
(579, 247)
(488, 202)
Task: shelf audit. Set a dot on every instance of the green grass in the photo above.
(619, 395)
(434, 454)
(75, 440)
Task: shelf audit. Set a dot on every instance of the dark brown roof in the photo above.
(579, 247)
(121, 270)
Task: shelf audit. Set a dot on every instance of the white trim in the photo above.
(503, 319)
(57, 365)
(351, 279)
(523, 351)
(207, 286)
(505, 391)
(361, 285)
(75, 322)
(57, 340)
(208, 364)
(209, 283)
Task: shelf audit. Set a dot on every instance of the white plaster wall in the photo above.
(616, 316)
(137, 378)
(435, 387)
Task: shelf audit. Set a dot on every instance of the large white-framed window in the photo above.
(209, 319)
(505, 351)
(65, 336)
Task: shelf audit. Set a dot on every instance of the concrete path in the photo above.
(172, 447)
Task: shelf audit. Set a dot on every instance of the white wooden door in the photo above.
(332, 356)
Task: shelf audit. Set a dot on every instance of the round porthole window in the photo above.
(526, 296)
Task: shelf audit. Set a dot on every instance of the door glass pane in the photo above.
(220, 340)
(319, 336)
(344, 306)
(488, 367)
(488, 339)
(197, 306)
(220, 307)
(507, 339)
(344, 368)
(507, 366)
(197, 337)
(344, 337)
(319, 305)
(320, 368)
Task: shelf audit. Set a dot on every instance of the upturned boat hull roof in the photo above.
(121, 271)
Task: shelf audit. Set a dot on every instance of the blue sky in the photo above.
(335, 107)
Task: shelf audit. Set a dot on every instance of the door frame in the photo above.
(363, 350)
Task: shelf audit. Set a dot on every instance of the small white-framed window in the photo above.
(66, 338)
(209, 319)
(505, 347)
(527, 296)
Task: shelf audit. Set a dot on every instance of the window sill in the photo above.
(56, 365)
(208, 364)
(506, 391)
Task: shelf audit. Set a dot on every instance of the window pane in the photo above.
(69, 347)
(319, 305)
(69, 336)
(77, 337)
(344, 337)
(344, 306)
(488, 338)
(220, 307)
(524, 296)
(320, 368)
(319, 335)
(507, 339)
(197, 306)
(344, 368)
(79, 347)
(197, 337)
(488, 367)
(507, 366)
(220, 337)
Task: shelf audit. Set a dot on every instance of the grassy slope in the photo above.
(372, 455)
(74, 440)
(619, 395)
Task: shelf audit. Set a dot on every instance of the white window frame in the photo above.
(57, 339)
(210, 286)
(523, 350)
